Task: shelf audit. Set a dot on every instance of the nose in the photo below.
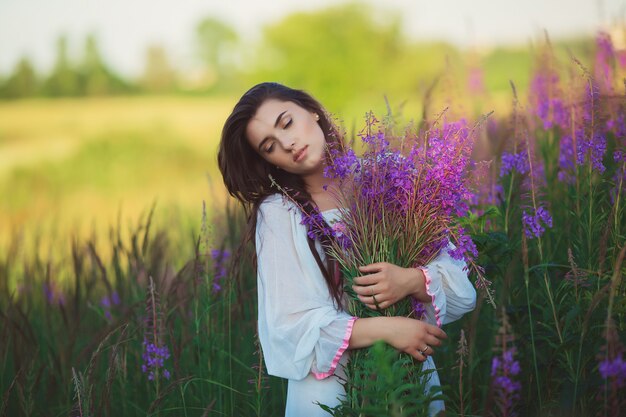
(287, 143)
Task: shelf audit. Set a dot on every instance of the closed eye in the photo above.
(269, 149)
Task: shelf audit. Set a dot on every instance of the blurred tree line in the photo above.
(343, 51)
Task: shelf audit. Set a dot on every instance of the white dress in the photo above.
(303, 337)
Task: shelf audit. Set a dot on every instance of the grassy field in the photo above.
(74, 165)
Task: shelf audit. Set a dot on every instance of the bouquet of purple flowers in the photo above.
(400, 202)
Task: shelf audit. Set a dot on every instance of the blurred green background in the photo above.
(83, 146)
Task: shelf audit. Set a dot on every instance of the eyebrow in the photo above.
(275, 125)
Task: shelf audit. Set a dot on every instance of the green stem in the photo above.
(508, 204)
(549, 291)
(532, 335)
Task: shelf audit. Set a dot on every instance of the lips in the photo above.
(299, 153)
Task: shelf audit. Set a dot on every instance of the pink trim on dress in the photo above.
(428, 280)
(342, 348)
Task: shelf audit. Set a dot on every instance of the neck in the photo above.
(316, 182)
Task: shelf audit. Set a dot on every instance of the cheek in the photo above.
(315, 132)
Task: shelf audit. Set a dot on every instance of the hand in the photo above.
(387, 283)
(415, 337)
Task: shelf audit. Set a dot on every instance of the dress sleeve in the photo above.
(299, 328)
(447, 283)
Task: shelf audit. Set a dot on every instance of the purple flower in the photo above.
(533, 226)
(341, 165)
(106, 302)
(615, 368)
(594, 147)
(53, 294)
(465, 248)
(504, 369)
(548, 106)
(341, 233)
(154, 360)
(514, 162)
(220, 272)
(604, 56)
(567, 169)
(316, 225)
(418, 308)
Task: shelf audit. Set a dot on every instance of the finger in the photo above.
(416, 355)
(375, 267)
(429, 351)
(366, 290)
(432, 340)
(436, 331)
(367, 279)
(381, 306)
(377, 299)
(421, 355)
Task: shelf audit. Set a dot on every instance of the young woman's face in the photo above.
(288, 136)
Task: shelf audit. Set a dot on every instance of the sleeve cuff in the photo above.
(342, 348)
(433, 301)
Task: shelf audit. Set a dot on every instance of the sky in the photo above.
(124, 28)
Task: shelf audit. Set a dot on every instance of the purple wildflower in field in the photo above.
(107, 302)
(514, 162)
(594, 148)
(617, 126)
(604, 57)
(567, 167)
(53, 294)
(614, 369)
(504, 368)
(548, 106)
(486, 190)
(154, 360)
(591, 102)
(220, 272)
(534, 225)
(488, 195)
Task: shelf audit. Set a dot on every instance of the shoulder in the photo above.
(276, 204)
(273, 199)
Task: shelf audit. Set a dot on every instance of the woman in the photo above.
(304, 331)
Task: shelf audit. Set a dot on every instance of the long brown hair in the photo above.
(247, 175)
